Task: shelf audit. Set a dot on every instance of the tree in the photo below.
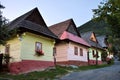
(4, 33)
(109, 11)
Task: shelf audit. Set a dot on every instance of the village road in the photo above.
(107, 73)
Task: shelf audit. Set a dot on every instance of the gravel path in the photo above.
(107, 73)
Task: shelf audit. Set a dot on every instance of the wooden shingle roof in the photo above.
(59, 28)
(32, 21)
(69, 36)
(67, 30)
(86, 36)
(102, 41)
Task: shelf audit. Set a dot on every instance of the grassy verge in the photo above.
(49, 74)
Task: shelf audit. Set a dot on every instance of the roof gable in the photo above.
(36, 17)
(32, 21)
(67, 25)
(33, 16)
(91, 39)
(72, 28)
(89, 36)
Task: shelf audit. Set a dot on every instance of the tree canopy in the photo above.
(109, 10)
(4, 33)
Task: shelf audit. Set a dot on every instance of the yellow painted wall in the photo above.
(91, 55)
(15, 48)
(28, 47)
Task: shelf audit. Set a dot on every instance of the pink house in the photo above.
(71, 49)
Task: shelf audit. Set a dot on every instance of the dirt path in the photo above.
(107, 73)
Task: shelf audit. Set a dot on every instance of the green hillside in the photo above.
(99, 27)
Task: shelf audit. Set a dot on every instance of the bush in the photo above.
(110, 61)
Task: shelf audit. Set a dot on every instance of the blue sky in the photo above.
(53, 11)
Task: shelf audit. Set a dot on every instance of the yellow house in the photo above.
(95, 51)
(32, 46)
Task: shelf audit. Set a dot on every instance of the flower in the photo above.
(39, 52)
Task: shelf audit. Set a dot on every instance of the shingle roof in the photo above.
(36, 28)
(101, 40)
(36, 24)
(33, 15)
(74, 38)
(86, 37)
(59, 28)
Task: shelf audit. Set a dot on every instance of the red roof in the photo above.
(74, 38)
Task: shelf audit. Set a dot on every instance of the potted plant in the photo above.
(39, 52)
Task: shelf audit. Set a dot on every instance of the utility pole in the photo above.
(88, 57)
(96, 55)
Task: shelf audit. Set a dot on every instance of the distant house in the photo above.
(103, 41)
(71, 49)
(31, 48)
(95, 50)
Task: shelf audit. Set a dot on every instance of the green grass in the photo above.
(49, 74)
(37, 75)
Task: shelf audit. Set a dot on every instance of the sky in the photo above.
(52, 11)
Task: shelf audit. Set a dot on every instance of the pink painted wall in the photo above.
(72, 56)
(65, 52)
(61, 51)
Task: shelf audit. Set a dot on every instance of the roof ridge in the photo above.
(60, 27)
(61, 22)
(22, 17)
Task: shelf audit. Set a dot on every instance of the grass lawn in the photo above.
(48, 74)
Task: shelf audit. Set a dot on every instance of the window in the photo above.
(54, 51)
(76, 50)
(38, 46)
(38, 49)
(7, 49)
(81, 52)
